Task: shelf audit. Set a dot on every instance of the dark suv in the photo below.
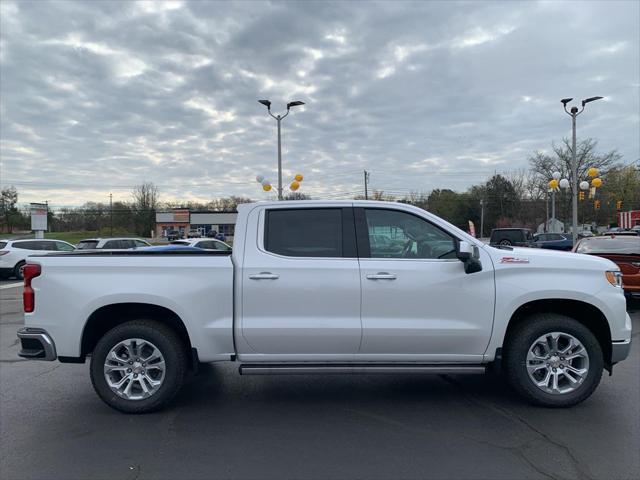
(515, 237)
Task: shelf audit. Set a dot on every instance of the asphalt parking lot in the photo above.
(223, 425)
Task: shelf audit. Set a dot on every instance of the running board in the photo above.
(357, 368)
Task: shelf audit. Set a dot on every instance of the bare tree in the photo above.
(8, 210)
(145, 202)
(543, 165)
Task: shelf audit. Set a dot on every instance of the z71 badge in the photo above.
(514, 260)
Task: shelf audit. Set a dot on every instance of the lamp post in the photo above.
(573, 113)
(279, 118)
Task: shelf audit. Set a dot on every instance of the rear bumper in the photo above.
(36, 344)
(620, 350)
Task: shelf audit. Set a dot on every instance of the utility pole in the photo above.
(111, 212)
(366, 185)
(481, 218)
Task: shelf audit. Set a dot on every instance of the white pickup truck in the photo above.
(318, 287)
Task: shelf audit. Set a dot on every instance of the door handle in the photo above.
(264, 276)
(382, 276)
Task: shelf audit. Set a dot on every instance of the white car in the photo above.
(204, 243)
(123, 243)
(309, 289)
(14, 253)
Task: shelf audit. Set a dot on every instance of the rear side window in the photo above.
(305, 232)
(64, 247)
(87, 245)
(27, 245)
(115, 244)
(140, 243)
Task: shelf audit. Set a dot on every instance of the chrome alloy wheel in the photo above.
(557, 363)
(134, 369)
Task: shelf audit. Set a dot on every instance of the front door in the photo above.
(417, 301)
(301, 286)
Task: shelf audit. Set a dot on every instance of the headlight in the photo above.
(614, 277)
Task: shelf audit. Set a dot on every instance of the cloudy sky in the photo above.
(99, 96)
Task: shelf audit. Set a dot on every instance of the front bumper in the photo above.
(36, 344)
(620, 350)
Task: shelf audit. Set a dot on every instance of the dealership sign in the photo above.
(39, 217)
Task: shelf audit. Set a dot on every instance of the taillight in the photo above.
(29, 272)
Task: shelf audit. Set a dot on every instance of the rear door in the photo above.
(301, 285)
(417, 301)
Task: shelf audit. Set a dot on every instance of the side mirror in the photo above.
(468, 254)
(464, 250)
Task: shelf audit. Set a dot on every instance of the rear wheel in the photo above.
(138, 367)
(553, 360)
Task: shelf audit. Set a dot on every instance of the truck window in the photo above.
(308, 232)
(396, 234)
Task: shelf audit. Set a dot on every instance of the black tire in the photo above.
(17, 271)
(522, 338)
(170, 345)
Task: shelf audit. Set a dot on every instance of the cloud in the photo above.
(100, 96)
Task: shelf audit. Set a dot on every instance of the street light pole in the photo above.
(279, 119)
(574, 163)
(111, 213)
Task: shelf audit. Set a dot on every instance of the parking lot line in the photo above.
(11, 285)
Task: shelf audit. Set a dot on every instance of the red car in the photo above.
(623, 250)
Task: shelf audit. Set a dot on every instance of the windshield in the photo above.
(87, 245)
(621, 245)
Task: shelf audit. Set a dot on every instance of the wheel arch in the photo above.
(109, 316)
(585, 313)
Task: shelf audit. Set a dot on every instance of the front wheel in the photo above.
(18, 270)
(138, 366)
(553, 360)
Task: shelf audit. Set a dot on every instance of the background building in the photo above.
(183, 220)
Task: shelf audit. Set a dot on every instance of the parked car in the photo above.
(624, 250)
(194, 234)
(206, 244)
(14, 253)
(517, 237)
(111, 243)
(585, 233)
(630, 233)
(215, 234)
(173, 235)
(553, 241)
(304, 292)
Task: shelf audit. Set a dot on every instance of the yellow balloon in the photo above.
(592, 172)
(299, 177)
(266, 188)
(294, 186)
(553, 184)
(596, 182)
